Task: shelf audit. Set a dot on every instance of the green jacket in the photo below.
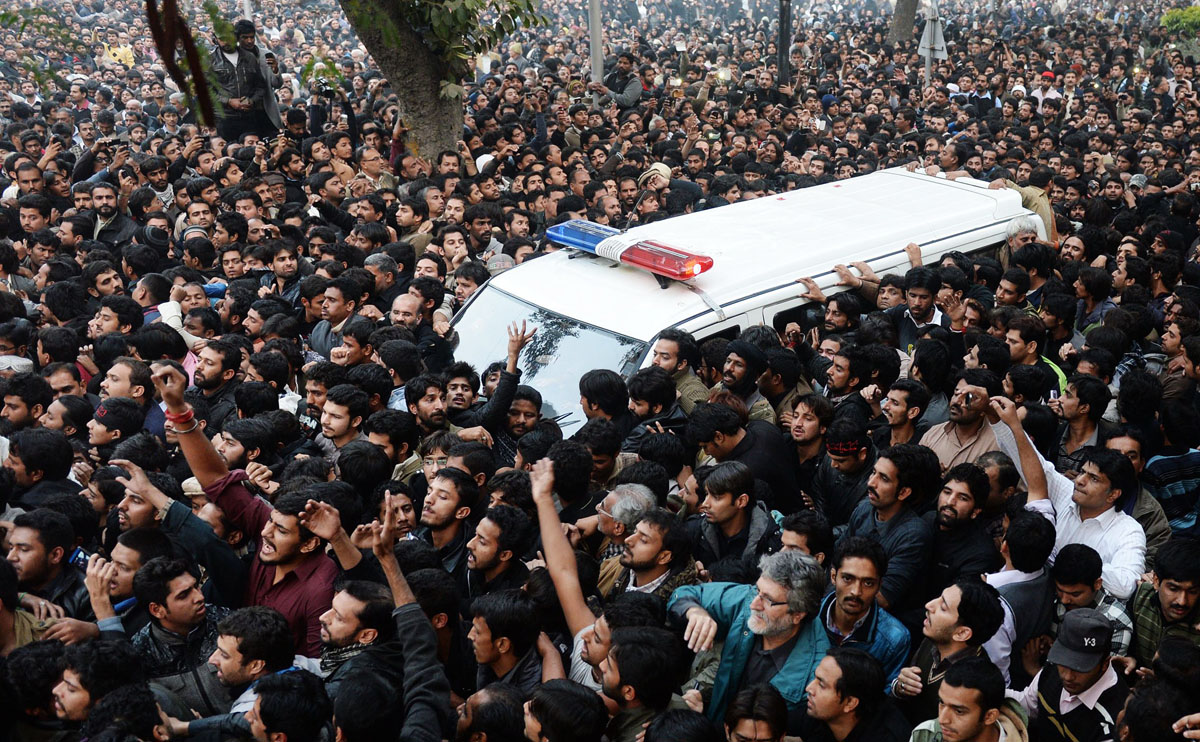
(690, 389)
(729, 605)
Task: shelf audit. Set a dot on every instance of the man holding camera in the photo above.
(246, 77)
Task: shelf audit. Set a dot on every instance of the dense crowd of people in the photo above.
(250, 492)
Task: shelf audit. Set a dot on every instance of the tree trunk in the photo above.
(415, 73)
(903, 19)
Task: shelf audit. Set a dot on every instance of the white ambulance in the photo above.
(602, 302)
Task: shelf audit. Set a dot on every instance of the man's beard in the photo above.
(626, 560)
(106, 212)
(207, 383)
(767, 627)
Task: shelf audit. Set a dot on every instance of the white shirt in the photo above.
(999, 647)
(1117, 537)
(1067, 703)
(581, 672)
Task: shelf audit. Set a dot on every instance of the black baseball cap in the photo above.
(1084, 640)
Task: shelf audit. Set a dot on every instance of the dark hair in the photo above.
(666, 450)
(568, 712)
(1077, 564)
(399, 426)
(685, 725)
(364, 465)
(572, 469)
(708, 419)
(1030, 538)
(974, 477)
(509, 614)
(352, 398)
(862, 678)
(464, 485)
(32, 390)
(515, 528)
(152, 582)
(44, 450)
(648, 659)
(1181, 425)
(1151, 712)
(370, 713)
(601, 437)
(32, 671)
(104, 665)
(128, 311)
(689, 351)
(294, 703)
(733, 478)
(1119, 470)
(761, 703)
(149, 543)
(979, 674)
(1178, 560)
(860, 547)
(653, 386)
(819, 405)
(60, 343)
(77, 413)
(377, 606)
(606, 389)
(120, 415)
(1092, 392)
(979, 610)
(917, 467)
(262, 633)
(477, 458)
(675, 536)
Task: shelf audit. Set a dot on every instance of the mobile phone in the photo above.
(79, 558)
(820, 124)
(1053, 394)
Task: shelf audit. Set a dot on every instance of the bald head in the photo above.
(406, 311)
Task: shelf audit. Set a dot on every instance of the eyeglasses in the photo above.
(439, 462)
(767, 601)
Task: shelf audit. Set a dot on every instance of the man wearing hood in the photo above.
(744, 363)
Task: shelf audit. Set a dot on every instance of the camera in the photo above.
(325, 89)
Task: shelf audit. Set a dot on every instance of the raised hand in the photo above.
(322, 519)
(170, 383)
(542, 480)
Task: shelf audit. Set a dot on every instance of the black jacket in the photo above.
(760, 537)
(772, 458)
(67, 590)
(37, 495)
(493, 413)
(967, 551)
(221, 406)
(180, 663)
(672, 420)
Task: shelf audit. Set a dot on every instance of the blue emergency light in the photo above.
(651, 255)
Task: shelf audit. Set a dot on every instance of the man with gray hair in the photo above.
(618, 514)
(1019, 232)
(383, 268)
(768, 628)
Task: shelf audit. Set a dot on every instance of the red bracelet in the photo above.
(183, 417)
